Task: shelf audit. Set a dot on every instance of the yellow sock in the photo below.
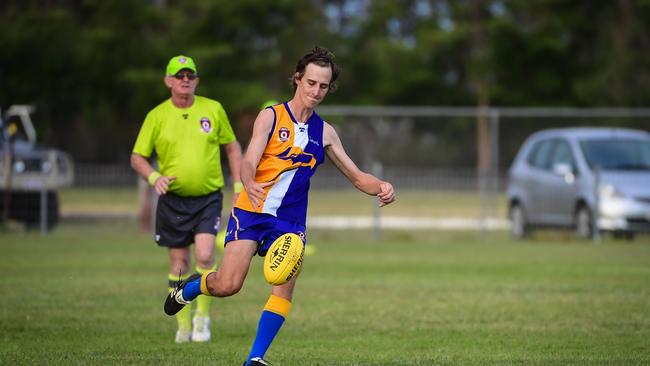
(203, 302)
(278, 305)
(183, 317)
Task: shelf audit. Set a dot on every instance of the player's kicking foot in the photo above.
(257, 361)
(174, 301)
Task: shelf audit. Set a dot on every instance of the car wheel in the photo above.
(519, 228)
(583, 224)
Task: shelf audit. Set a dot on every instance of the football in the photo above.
(284, 259)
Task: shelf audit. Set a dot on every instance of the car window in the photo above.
(540, 153)
(617, 154)
(562, 154)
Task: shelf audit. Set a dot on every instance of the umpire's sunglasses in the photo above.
(190, 75)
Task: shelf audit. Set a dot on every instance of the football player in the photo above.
(289, 141)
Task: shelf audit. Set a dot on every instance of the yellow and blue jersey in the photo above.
(293, 152)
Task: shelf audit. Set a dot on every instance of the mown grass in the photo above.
(92, 295)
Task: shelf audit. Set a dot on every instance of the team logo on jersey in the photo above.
(283, 134)
(206, 126)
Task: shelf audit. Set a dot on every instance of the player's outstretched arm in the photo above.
(364, 182)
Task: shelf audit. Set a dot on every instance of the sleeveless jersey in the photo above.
(292, 153)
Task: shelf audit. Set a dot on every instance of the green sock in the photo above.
(203, 302)
(183, 317)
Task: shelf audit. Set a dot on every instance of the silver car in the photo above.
(560, 176)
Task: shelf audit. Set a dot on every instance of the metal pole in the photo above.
(43, 208)
(494, 171)
(484, 165)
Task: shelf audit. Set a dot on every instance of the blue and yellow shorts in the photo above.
(259, 227)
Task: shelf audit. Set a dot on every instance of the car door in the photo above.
(537, 164)
(558, 190)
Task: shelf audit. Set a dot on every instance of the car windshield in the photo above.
(619, 154)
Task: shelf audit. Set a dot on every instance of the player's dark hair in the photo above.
(320, 56)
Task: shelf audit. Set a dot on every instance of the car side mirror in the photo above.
(565, 170)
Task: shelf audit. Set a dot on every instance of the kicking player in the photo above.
(289, 141)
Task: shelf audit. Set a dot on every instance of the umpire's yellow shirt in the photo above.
(187, 143)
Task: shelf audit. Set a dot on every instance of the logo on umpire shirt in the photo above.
(283, 134)
(206, 126)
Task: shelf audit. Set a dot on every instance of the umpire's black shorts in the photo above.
(178, 218)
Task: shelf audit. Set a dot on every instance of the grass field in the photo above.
(92, 295)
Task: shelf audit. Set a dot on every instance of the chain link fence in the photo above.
(447, 173)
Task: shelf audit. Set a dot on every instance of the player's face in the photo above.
(314, 85)
(183, 83)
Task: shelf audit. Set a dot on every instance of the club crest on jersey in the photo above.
(283, 134)
(206, 126)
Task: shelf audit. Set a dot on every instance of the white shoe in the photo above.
(183, 335)
(200, 329)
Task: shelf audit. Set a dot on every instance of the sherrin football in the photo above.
(284, 259)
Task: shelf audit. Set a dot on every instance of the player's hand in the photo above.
(162, 184)
(256, 193)
(386, 194)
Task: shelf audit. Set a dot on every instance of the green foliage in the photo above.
(94, 68)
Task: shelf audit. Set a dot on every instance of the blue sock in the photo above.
(267, 329)
(192, 290)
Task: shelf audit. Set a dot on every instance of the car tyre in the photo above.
(583, 223)
(519, 227)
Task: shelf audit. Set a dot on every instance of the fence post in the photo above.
(43, 208)
(488, 179)
(494, 171)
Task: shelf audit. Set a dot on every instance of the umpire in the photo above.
(186, 132)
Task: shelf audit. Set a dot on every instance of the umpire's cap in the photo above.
(178, 63)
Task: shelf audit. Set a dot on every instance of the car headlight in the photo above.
(19, 166)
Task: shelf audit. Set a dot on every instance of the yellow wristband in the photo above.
(153, 177)
(237, 187)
